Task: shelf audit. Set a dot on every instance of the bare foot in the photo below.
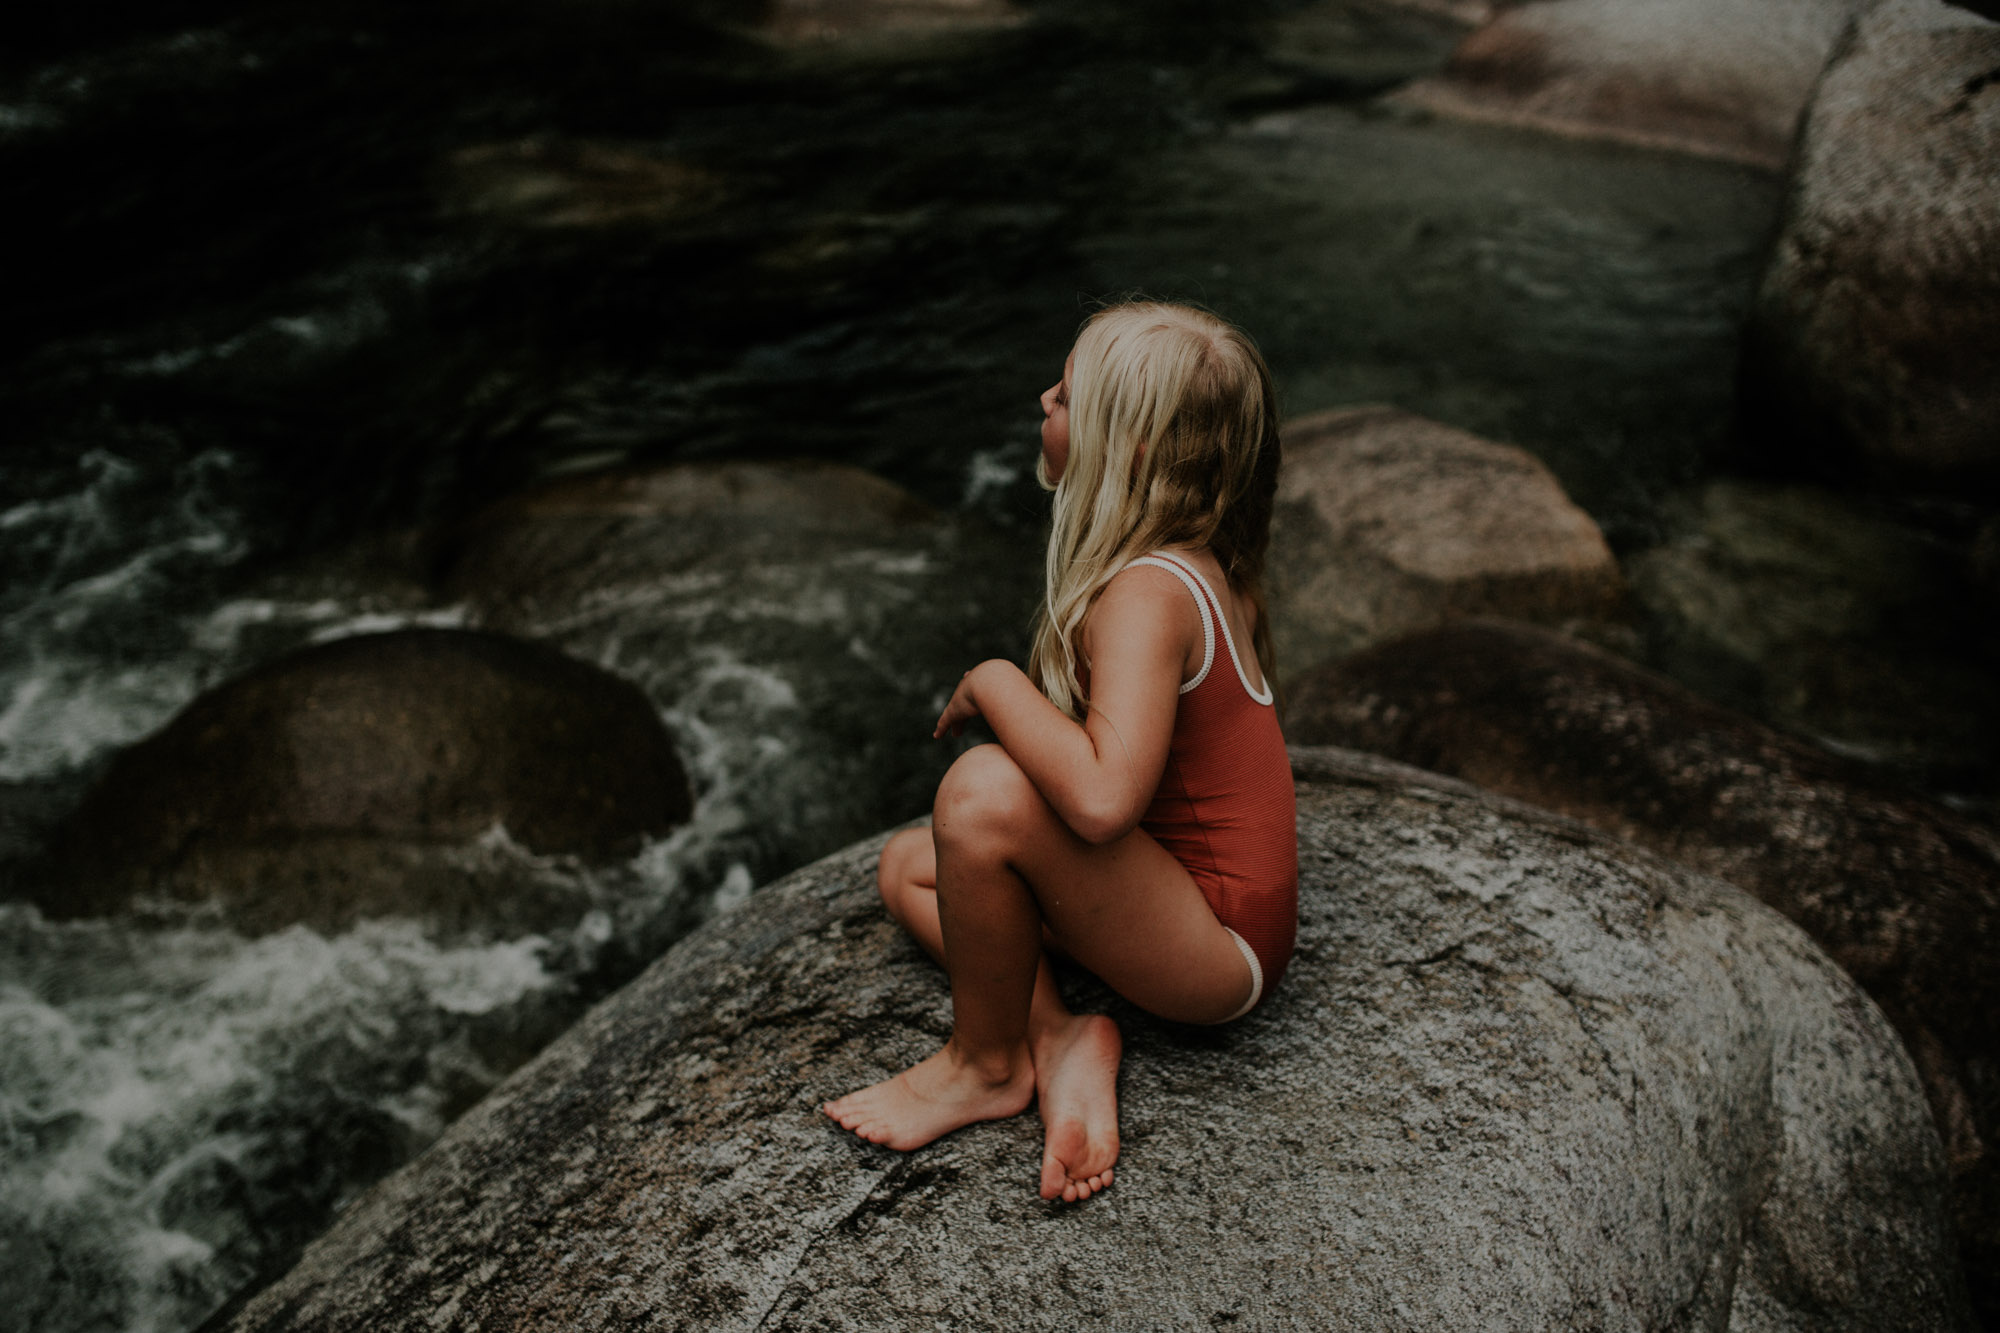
(933, 1097)
(1076, 1077)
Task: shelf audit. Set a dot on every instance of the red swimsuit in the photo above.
(1225, 807)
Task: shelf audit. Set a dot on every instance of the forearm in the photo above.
(1084, 772)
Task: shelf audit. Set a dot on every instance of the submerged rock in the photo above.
(1877, 327)
(805, 622)
(359, 778)
(1902, 893)
(1387, 522)
(1518, 1077)
(545, 181)
(1715, 77)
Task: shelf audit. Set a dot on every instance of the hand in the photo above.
(961, 710)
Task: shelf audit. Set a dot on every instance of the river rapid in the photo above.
(292, 281)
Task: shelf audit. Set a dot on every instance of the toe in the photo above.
(1053, 1177)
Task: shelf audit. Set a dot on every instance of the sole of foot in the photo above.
(1076, 1082)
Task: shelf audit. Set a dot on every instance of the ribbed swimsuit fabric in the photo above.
(1225, 807)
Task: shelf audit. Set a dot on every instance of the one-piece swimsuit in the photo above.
(1225, 807)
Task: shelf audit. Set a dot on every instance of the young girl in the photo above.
(1137, 813)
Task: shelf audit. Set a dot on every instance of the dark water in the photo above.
(289, 275)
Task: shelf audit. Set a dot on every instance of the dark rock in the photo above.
(1903, 893)
(879, 22)
(803, 623)
(576, 183)
(1712, 77)
(1876, 331)
(1519, 1077)
(1828, 617)
(1387, 522)
(363, 777)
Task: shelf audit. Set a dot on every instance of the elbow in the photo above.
(1099, 823)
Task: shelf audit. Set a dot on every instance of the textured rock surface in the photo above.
(1387, 522)
(1903, 893)
(356, 778)
(1877, 326)
(1517, 1078)
(800, 623)
(1718, 77)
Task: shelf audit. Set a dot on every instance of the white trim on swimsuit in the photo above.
(1196, 585)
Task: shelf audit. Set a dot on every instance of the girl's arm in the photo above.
(1098, 775)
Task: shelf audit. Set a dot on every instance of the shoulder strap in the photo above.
(1188, 577)
(1206, 595)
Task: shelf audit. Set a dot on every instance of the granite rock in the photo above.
(1902, 892)
(1387, 522)
(1875, 341)
(1519, 1077)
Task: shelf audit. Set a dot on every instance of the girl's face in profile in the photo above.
(1055, 425)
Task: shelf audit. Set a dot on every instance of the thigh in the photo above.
(1126, 909)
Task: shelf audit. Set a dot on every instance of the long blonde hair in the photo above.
(1173, 441)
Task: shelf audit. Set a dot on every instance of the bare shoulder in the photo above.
(1143, 605)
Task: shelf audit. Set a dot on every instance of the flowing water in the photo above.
(292, 278)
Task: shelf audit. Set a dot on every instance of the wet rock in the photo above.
(1714, 77)
(546, 181)
(367, 777)
(1986, 561)
(1903, 893)
(1876, 332)
(1519, 1077)
(823, 21)
(1387, 522)
(1825, 616)
(802, 622)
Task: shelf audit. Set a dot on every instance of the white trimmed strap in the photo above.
(1188, 572)
(1188, 578)
(1256, 976)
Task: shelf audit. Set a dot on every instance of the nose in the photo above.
(1049, 400)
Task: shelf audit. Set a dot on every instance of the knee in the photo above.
(984, 796)
(906, 860)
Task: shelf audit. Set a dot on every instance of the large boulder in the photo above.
(802, 623)
(1387, 522)
(366, 777)
(1519, 1077)
(1903, 893)
(1722, 78)
(1876, 331)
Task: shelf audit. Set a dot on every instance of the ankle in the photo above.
(996, 1065)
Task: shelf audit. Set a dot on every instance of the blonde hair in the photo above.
(1173, 441)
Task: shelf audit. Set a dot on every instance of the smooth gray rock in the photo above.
(1519, 1077)
(1876, 331)
(1721, 78)
(1387, 522)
